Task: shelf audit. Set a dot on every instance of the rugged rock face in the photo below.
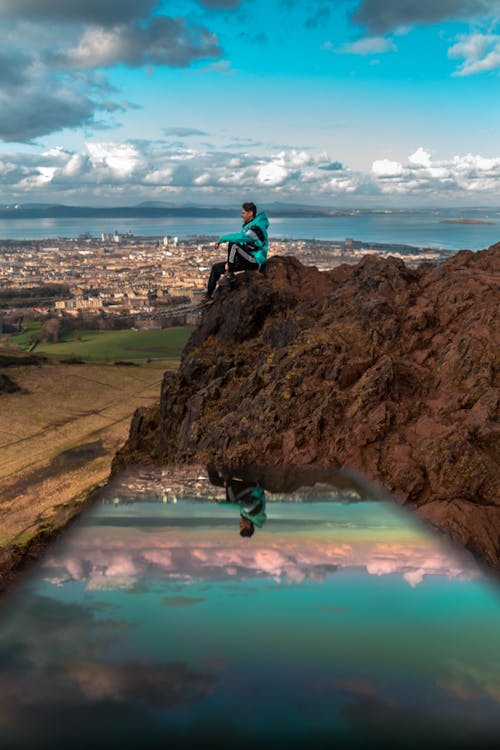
(391, 371)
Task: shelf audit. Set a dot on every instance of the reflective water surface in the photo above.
(154, 622)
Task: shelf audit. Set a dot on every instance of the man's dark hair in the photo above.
(250, 207)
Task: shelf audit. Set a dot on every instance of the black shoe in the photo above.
(227, 279)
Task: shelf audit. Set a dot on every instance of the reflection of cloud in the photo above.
(375, 713)
(414, 577)
(469, 683)
(389, 559)
(104, 560)
(159, 686)
(48, 643)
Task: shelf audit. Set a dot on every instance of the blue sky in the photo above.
(332, 102)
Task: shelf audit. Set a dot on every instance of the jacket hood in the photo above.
(261, 220)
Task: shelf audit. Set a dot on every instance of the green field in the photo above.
(110, 346)
(24, 338)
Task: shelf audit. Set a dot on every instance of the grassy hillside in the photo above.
(69, 421)
(23, 339)
(61, 429)
(109, 346)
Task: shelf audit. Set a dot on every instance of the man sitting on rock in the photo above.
(246, 251)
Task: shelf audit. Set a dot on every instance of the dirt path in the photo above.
(57, 439)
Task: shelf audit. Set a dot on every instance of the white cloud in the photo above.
(272, 174)
(202, 179)
(421, 158)
(387, 168)
(98, 46)
(480, 53)
(164, 41)
(75, 165)
(122, 159)
(341, 185)
(46, 174)
(461, 174)
(159, 177)
(219, 66)
(371, 45)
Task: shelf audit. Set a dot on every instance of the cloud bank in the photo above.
(121, 173)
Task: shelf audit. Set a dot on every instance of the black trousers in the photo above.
(236, 261)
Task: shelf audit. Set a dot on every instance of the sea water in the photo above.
(420, 228)
(155, 624)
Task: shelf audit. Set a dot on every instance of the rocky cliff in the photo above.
(389, 370)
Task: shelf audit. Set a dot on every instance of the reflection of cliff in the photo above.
(375, 366)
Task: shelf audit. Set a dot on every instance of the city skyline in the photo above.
(209, 101)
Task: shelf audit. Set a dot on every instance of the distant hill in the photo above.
(43, 211)
(151, 209)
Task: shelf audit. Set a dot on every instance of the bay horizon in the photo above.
(448, 229)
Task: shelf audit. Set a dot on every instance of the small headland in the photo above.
(388, 370)
(466, 221)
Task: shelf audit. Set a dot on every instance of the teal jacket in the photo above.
(259, 247)
(251, 504)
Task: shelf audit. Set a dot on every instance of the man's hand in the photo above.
(227, 266)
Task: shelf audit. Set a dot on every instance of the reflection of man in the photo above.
(249, 497)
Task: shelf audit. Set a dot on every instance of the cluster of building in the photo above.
(116, 274)
(123, 274)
